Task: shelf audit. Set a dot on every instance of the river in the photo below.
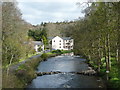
(65, 63)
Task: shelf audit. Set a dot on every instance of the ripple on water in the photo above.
(64, 80)
(67, 80)
(64, 64)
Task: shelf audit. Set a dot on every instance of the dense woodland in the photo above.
(96, 37)
(38, 34)
(53, 29)
(14, 34)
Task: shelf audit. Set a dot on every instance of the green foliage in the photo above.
(11, 81)
(56, 51)
(39, 49)
(38, 34)
(114, 81)
(44, 40)
(44, 56)
(65, 51)
(57, 29)
(14, 34)
(22, 76)
(22, 67)
(60, 51)
(96, 37)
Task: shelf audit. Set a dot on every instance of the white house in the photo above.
(61, 43)
(37, 45)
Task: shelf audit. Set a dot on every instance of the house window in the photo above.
(60, 40)
(54, 40)
(60, 47)
(60, 44)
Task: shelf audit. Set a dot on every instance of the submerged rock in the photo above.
(66, 86)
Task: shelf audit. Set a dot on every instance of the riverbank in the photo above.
(22, 76)
(65, 71)
(18, 78)
(112, 78)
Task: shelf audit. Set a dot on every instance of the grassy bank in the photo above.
(113, 75)
(25, 73)
(22, 76)
(20, 60)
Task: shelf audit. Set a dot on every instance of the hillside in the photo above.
(55, 29)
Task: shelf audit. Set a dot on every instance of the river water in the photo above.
(65, 63)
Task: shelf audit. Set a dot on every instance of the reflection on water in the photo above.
(68, 54)
(64, 63)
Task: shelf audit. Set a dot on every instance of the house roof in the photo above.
(25, 42)
(64, 38)
(37, 42)
(50, 38)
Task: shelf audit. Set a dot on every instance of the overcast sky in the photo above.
(36, 12)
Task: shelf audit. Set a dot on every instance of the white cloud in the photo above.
(62, 0)
(37, 12)
(54, 0)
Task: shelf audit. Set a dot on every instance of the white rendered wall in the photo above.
(70, 44)
(56, 43)
(36, 48)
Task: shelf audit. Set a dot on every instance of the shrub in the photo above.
(39, 49)
(11, 81)
(22, 76)
(44, 56)
(56, 51)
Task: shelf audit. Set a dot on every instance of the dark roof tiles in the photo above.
(37, 42)
(64, 38)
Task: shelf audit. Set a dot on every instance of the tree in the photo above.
(97, 37)
(14, 34)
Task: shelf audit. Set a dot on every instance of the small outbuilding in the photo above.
(38, 46)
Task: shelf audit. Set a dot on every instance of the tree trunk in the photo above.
(109, 62)
(117, 52)
(89, 57)
(106, 56)
(99, 59)
(9, 65)
(93, 48)
(117, 56)
(102, 54)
